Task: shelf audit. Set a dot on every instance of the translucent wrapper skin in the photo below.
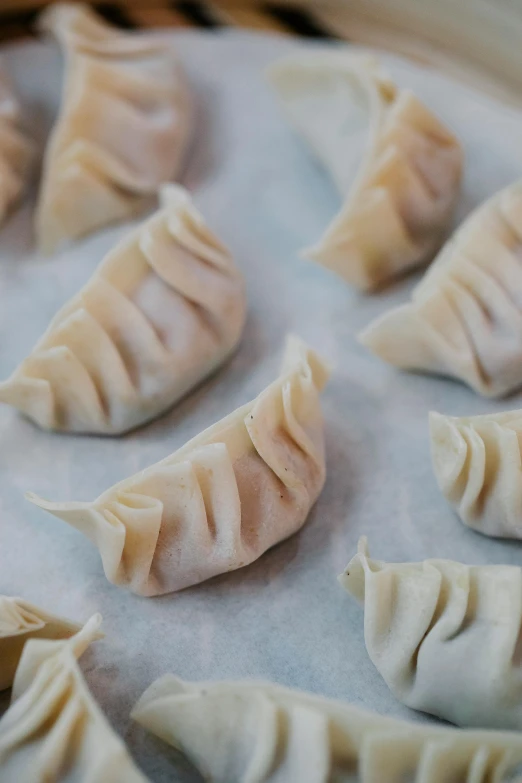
(122, 129)
(247, 732)
(162, 311)
(16, 151)
(223, 499)
(20, 621)
(444, 636)
(54, 731)
(396, 165)
(465, 316)
(478, 465)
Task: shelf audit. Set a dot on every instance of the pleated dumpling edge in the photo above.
(122, 129)
(163, 310)
(37, 651)
(20, 621)
(397, 166)
(54, 730)
(220, 501)
(263, 732)
(444, 635)
(477, 461)
(464, 319)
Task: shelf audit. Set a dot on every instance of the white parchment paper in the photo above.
(283, 618)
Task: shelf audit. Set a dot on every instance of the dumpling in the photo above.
(444, 636)
(395, 164)
(478, 467)
(254, 732)
(20, 621)
(54, 731)
(15, 149)
(164, 309)
(220, 501)
(465, 317)
(122, 129)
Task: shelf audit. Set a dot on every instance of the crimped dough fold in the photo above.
(396, 165)
(465, 316)
(223, 499)
(478, 465)
(248, 732)
(163, 310)
(54, 731)
(20, 621)
(122, 129)
(444, 636)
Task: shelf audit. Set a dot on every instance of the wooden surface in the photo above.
(17, 17)
(476, 41)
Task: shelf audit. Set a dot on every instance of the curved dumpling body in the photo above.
(54, 731)
(241, 732)
(164, 309)
(220, 501)
(122, 128)
(465, 317)
(444, 636)
(20, 621)
(478, 466)
(395, 163)
(15, 149)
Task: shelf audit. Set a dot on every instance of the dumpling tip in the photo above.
(32, 497)
(362, 546)
(91, 632)
(92, 628)
(173, 195)
(353, 577)
(449, 451)
(296, 352)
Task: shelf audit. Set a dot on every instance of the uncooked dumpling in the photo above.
(164, 309)
(15, 149)
(444, 636)
(122, 128)
(465, 317)
(223, 499)
(478, 465)
(395, 164)
(20, 621)
(253, 732)
(54, 731)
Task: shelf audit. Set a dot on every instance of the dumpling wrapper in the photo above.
(444, 636)
(465, 316)
(254, 732)
(478, 466)
(16, 151)
(219, 502)
(122, 129)
(162, 311)
(20, 621)
(54, 731)
(397, 167)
